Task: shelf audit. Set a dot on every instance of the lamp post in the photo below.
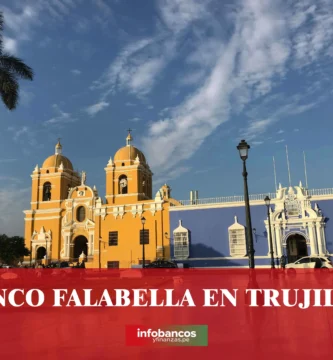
(268, 202)
(143, 221)
(30, 253)
(243, 149)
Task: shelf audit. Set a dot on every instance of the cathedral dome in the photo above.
(56, 159)
(129, 152)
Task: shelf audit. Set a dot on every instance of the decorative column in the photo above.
(323, 237)
(274, 239)
(319, 239)
(91, 244)
(34, 254)
(277, 231)
(71, 251)
(67, 250)
(312, 236)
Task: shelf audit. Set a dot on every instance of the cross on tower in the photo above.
(129, 138)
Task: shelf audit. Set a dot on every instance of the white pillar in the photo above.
(277, 229)
(91, 244)
(66, 245)
(34, 253)
(323, 237)
(319, 239)
(313, 242)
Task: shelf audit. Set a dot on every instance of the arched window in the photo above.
(123, 186)
(144, 185)
(47, 191)
(80, 213)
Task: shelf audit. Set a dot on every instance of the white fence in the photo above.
(254, 197)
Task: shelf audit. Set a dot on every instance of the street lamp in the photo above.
(268, 202)
(143, 221)
(30, 253)
(243, 149)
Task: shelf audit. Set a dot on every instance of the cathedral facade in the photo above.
(69, 220)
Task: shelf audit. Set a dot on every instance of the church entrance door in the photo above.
(41, 252)
(296, 247)
(80, 245)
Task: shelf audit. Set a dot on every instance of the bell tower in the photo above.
(128, 176)
(50, 186)
(51, 182)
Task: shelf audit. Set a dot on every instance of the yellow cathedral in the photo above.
(69, 220)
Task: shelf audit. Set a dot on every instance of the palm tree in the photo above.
(11, 69)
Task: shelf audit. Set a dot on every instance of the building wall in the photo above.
(129, 250)
(209, 236)
(327, 208)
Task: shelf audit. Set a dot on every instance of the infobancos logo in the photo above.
(167, 335)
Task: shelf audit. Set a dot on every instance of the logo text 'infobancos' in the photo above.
(167, 336)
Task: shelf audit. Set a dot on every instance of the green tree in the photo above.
(12, 249)
(11, 69)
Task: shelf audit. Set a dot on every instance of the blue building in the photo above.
(211, 232)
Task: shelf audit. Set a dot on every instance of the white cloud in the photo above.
(256, 143)
(192, 78)
(247, 66)
(62, 118)
(105, 8)
(76, 72)
(296, 130)
(276, 107)
(280, 141)
(133, 71)
(256, 128)
(313, 23)
(10, 45)
(137, 68)
(112, 76)
(23, 21)
(176, 172)
(96, 108)
(18, 133)
(142, 80)
(249, 51)
(135, 119)
(178, 14)
(24, 135)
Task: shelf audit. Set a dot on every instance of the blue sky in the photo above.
(190, 77)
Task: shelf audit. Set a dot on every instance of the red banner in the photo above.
(114, 314)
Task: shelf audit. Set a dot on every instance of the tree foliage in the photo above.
(11, 70)
(12, 249)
